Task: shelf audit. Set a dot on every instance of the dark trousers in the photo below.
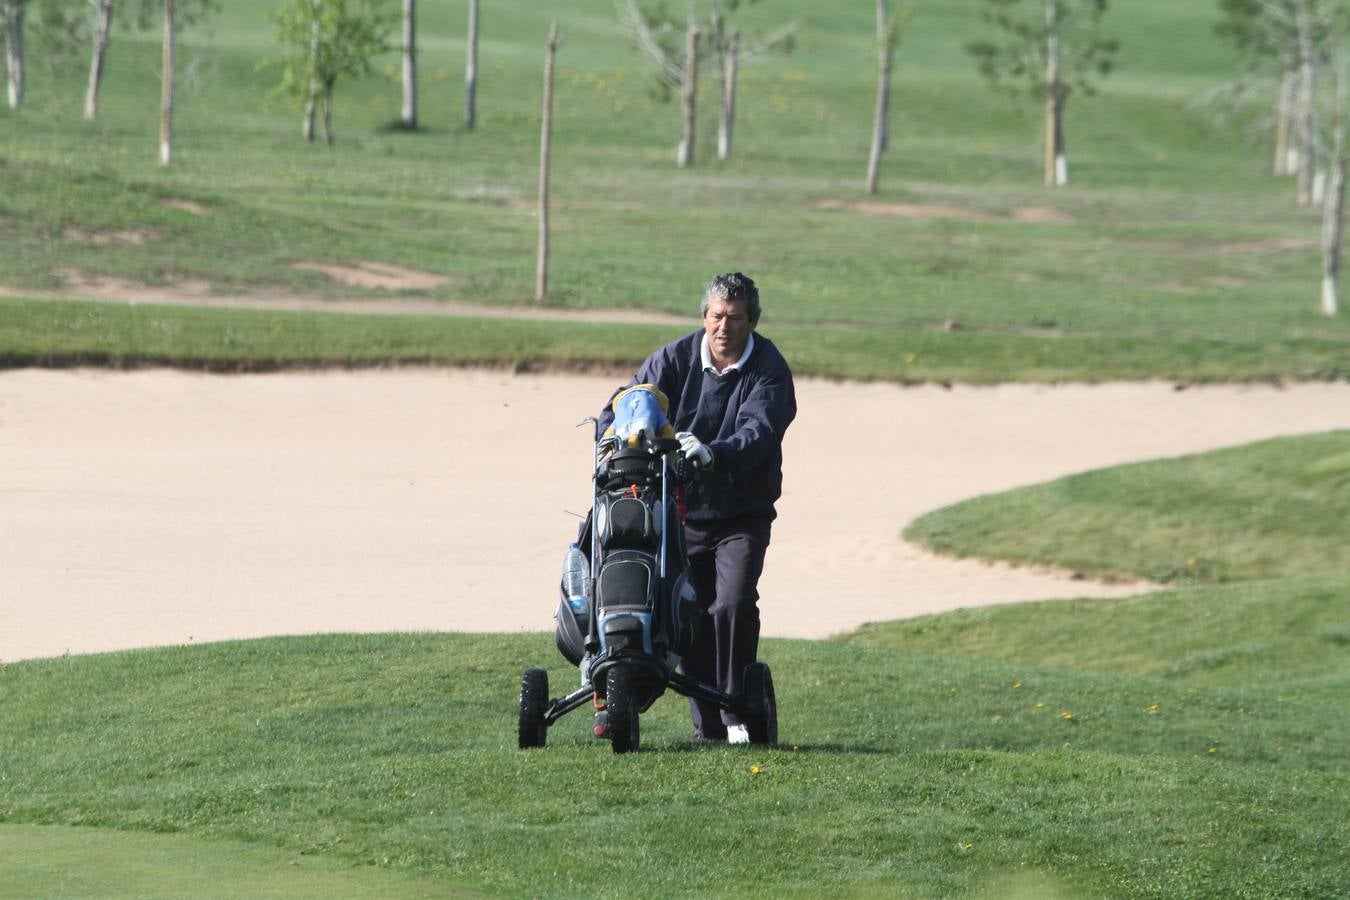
(726, 558)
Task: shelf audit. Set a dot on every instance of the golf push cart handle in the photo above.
(665, 445)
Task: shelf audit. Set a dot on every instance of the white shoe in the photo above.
(738, 734)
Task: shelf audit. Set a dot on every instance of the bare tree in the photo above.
(315, 88)
(729, 52)
(689, 98)
(887, 31)
(654, 34)
(726, 121)
(1283, 43)
(1056, 162)
(545, 142)
(166, 92)
(1332, 29)
(14, 11)
(409, 119)
(1302, 42)
(1286, 159)
(471, 68)
(1333, 207)
(140, 14)
(1056, 51)
(102, 28)
(1264, 34)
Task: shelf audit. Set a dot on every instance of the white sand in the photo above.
(162, 507)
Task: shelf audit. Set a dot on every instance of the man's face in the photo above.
(728, 325)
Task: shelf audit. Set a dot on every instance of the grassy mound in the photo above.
(1270, 509)
(1291, 632)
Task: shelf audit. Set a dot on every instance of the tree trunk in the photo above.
(882, 36)
(1333, 220)
(315, 88)
(471, 67)
(1056, 162)
(1333, 204)
(689, 98)
(545, 140)
(1283, 112)
(410, 64)
(102, 27)
(166, 93)
(727, 123)
(14, 52)
(328, 136)
(1307, 109)
(885, 41)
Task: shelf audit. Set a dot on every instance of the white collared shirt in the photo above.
(705, 355)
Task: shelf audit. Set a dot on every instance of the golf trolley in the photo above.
(638, 616)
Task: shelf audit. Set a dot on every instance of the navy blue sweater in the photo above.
(741, 415)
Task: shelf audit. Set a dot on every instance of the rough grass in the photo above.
(1170, 255)
(46, 333)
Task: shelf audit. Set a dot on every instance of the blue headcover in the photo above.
(640, 409)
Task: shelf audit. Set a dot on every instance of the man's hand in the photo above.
(697, 452)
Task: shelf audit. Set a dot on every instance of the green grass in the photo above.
(44, 862)
(1190, 743)
(1270, 509)
(901, 773)
(1175, 257)
(1292, 631)
(40, 332)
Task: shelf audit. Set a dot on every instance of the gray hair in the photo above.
(732, 287)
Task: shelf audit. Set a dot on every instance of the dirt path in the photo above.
(161, 507)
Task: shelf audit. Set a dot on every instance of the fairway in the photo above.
(43, 862)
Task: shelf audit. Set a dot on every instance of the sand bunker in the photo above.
(163, 507)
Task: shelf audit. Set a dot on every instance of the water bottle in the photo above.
(576, 578)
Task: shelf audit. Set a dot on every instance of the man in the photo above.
(731, 400)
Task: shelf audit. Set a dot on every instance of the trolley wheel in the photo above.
(533, 705)
(762, 723)
(621, 703)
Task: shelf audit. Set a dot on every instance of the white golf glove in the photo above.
(697, 452)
